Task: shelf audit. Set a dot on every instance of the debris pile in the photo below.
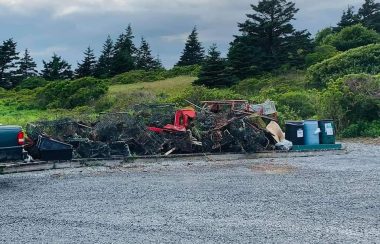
(218, 126)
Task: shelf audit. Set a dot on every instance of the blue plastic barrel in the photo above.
(311, 131)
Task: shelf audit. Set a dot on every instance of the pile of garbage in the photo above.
(217, 126)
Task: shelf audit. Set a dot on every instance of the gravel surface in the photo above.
(324, 199)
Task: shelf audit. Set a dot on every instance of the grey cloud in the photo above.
(68, 27)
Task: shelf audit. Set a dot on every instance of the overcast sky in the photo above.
(67, 27)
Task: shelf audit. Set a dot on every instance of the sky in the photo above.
(68, 27)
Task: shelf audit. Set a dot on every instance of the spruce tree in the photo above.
(8, 64)
(300, 44)
(213, 72)
(241, 57)
(56, 69)
(27, 66)
(349, 18)
(158, 63)
(104, 65)
(124, 53)
(145, 60)
(193, 52)
(369, 14)
(265, 42)
(87, 67)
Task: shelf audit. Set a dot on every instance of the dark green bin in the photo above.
(328, 132)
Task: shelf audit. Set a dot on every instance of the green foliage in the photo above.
(124, 53)
(268, 40)
(362, 129)
(352, 37)
(136, 76)
(103, 67)
(56, 69)
(32, 83)
(70, 94)
(370, 14)
(196, 94)
(145, 60)
(358, 60)
(267, 86)
(27, 67)
(322, 34)
(348, 18)
(214, 72)
(193, 52)
(87, 66)
(8, 62)
(303, 103)
(321, 53)
(351, 99)
(190, 70)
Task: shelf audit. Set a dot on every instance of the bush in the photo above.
(136, 76)
(70, 94)
(302, 103)
(269, 85)
(320, 53)
(320, 37)
(191, 70)
(352, 99)
(32, 83)
(352, 37)
(359, 60)
(196, 94)
(364, 129)
(139, 76)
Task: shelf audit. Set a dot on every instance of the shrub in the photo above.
(70, 94)
(321, 36)
(136, 76)
(191, 70)
(196, 94)
(362, 128)
(139, 76)
(301, 102)
(321, 53)
(32, 83)
(359, 60)
(351, 99)
(353, 37)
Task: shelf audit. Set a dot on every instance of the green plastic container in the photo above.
(328, 132)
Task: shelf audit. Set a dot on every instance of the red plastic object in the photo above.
(155, 129)
(181, 122)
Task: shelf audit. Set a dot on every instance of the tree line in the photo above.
(267, 42)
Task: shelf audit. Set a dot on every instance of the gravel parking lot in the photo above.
(324, 199)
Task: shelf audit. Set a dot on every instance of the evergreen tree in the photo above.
(27, 66)
(56, 69)
(124, 53)
(158, 63)
(8, 64)
(369, 14)
(266, 40)
(348, 18)
(241, 57)
(145, 60)
(213, 72)
(193, 52)
(104, 64)
(299, 46)
(87, 67)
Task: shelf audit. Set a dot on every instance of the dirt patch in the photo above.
(273, 168)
